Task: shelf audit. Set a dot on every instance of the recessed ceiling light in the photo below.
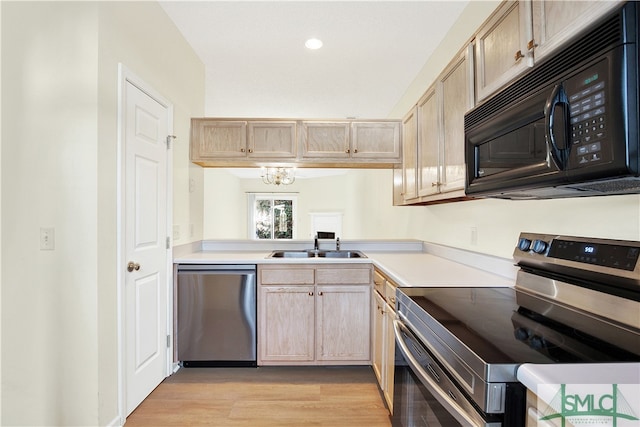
(313, 44)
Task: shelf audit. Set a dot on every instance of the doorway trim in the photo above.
(125, 75)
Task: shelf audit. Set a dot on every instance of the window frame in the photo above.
(251, 202)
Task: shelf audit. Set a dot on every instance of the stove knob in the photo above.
(537, 342)
(539, 246)
(524, 244)
(521, 334)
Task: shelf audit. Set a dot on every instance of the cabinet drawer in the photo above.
(287, 276)
(390, 293)
(343, 276)
(379, 283)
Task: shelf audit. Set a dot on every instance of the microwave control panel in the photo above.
(588, 133)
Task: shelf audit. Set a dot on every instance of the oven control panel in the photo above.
(589, 253)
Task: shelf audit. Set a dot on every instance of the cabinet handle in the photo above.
(320, 293)
(242, 150)
(518, 55)
(250, 150)
(355, 151)
(310, 294)
(435, 184)
(347, 151)
(532, 44)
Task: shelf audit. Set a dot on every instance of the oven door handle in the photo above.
(443, 398)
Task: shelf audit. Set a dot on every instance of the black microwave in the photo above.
(566, 128)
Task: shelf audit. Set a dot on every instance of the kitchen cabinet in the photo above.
(311, 143)
(213, 139)
(433, 156)
(314, 315)
(428, 144)
(556, 22)
(520, 33)
(501, 46)
(409, 156)
(383, 357)
(378, 305)
(218, 139)
(325, 139)
(345, 140)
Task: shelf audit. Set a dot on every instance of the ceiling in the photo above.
(257, 66)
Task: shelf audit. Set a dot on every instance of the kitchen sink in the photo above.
(318, 254)
(341, 254)
(292, 254)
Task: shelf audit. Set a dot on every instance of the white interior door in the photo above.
(145, 235)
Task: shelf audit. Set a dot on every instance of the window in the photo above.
(272, 216)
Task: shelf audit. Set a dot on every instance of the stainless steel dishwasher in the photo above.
(216, 307)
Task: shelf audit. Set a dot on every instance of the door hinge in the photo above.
(168, 341)
(168, 242)
(169, 138)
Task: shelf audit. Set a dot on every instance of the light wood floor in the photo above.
(265, 396)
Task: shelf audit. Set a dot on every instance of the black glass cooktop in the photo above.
(496, 325)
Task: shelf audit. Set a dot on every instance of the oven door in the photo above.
(424, 395)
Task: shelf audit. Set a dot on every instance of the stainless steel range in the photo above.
(576, 300)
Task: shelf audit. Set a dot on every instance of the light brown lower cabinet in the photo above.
(314, 315)
(384, 344)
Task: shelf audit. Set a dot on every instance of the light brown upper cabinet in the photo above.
(375, 140)
(272, 139)
(218, 139)
(433, 135)
(311, 143)
(428, 143)
(409, 156)
(456, 98)
(325, 139)
(555, 22)
(237, 139)
(501, 46)
(364, 140)
(519, 33)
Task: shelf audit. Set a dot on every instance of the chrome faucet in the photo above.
(315, 243)
(337, 244)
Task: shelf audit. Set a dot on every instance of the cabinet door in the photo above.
(501, 46)
(343, 323)
(457, 98)
(325, 139)
(389, 356)
(215, 139)
(556, 22)
(378, 337)
(272, 139)
(375, 140)
(428, 144)
(409, 155)
(286, 324)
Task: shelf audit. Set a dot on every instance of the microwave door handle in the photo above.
(560, 156)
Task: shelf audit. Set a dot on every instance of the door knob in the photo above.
(133, 266)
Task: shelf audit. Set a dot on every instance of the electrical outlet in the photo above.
(47, 239)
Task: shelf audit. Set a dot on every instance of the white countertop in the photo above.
(582, 379)
(411, 268)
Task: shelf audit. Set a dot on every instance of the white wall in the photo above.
(364, 196)
(59, 169)
(49, 298)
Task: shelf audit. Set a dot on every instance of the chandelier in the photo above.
(278, 176)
